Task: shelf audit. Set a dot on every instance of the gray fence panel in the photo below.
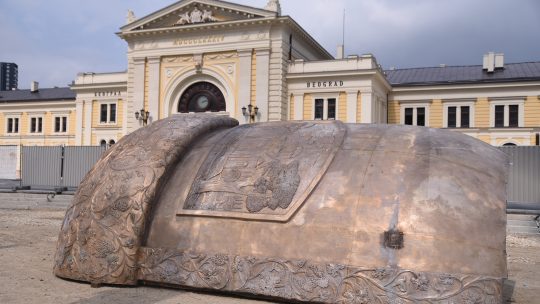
(524, 176)
(78, 161)
(41, 166)
(8, 162)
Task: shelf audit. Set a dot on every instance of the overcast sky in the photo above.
(53, 40)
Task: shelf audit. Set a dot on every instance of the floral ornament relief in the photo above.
(303, 281)
(103, 229)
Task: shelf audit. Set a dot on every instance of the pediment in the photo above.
(192, 12)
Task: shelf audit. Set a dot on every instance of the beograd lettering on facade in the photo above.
(325, 84)
(107, 94)
(200, 40)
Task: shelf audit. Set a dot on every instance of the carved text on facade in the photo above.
(200, 40)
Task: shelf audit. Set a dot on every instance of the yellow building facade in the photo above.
(37, 117)
(215, 56)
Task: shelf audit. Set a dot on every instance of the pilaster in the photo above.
(88, 108)
(263, 82)
(352, 106)
(298, 106)
(153, 87)
(79, 112)
(367, 105)
(138, 93)
(244, 84)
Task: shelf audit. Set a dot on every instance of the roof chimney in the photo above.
(493, 62)
(340, 52)
(34, 86)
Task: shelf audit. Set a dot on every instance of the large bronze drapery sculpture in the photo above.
(306, 211)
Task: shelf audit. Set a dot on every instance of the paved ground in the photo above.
(29, 226)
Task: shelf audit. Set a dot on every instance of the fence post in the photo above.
(20, 154)
(62, 164)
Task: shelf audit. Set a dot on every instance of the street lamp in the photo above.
(142, 116)
(250, 112)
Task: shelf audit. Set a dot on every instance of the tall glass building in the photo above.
(9, 74)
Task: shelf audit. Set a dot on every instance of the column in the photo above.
(299, 106)
(367, 105)
(79, 112)
(153, 87)
(263, 82)
(352, 106)
(138, 93)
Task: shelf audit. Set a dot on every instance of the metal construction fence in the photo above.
(57, 167)
(8, 162)
(524, 175)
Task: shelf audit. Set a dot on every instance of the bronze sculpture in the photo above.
(306, 211)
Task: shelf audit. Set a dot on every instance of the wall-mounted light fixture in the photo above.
(250, 112)
(142, 116)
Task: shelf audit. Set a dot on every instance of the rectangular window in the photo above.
(10, 125)
(60, 124)
(57, 124)
(452, 117)
(465, 117)
(103, 114)
(15, 125)
(513, 116)
(499, 116)
(409, 116)
(319, 109)
(421, 116)
(36, 125)
(332, 109)
(112, 112)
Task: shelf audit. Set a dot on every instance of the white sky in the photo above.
(53, 40)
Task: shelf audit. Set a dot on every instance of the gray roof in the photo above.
(41, 95)
(526, 71)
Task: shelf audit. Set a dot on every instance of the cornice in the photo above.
(194, 27)
(81, 87)
(285, 20)
(476, 86)
(369, 72)
(219, 5)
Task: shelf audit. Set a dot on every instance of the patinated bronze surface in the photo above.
(307, 211)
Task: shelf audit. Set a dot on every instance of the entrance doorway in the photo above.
(202, 97)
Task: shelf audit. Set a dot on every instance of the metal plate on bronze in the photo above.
(263, 172)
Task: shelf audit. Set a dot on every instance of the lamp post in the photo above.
(251, 112)
(142, 116)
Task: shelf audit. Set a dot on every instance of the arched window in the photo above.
(103, 143)
(509, 145)
(202, 97)
(111, 142)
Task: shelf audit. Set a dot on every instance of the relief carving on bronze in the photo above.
(284, 170)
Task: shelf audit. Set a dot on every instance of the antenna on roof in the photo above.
(341, 48)
(344, 29)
